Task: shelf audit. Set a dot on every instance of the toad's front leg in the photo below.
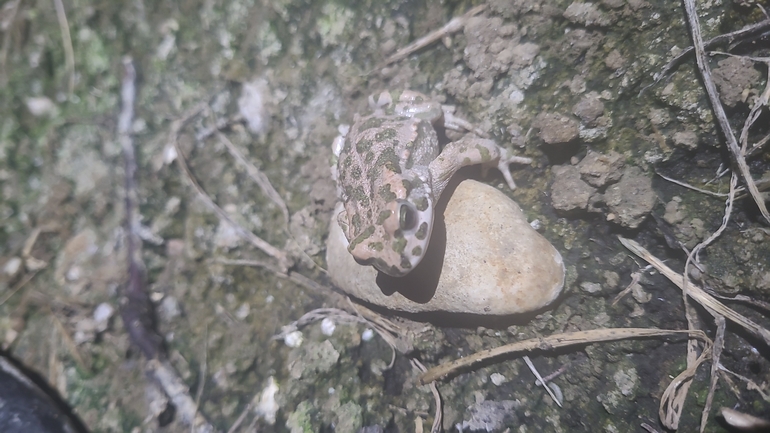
(471, 151)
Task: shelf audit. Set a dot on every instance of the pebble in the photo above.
(484, 259)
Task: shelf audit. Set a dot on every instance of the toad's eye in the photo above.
(407, 216)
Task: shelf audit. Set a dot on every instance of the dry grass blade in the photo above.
(266, 247)
(694, 188)
(746, 32)
(672, 401)
(716, 353)
(552, 342)
(540, 381)
(436, 427)
(696, 293)
(69, 53)
(454, 25)
(257, 175)
(178, 392)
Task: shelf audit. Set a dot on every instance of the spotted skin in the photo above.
(391, 172)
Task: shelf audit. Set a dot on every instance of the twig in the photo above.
(27, 278)
(454, 25)
(540, 381)
(69, 53)
(179, 394)
(716, 352)
(750, 384)
(13, 8)
(135, 306)
(283, 260)
(257, 175)
(711, 90)
(203, 371)
(635, 277)
(748, 31)
(694, 188)
(696, 292)
(437, 418)
(552, 342)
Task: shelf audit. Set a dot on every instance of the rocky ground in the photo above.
(556, 81)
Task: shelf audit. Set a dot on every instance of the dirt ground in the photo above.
(570, 85)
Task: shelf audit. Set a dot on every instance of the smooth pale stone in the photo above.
(484, 258)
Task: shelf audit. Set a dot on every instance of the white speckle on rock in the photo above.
(74, 273)
(253, 105)
(12, 266)
(328, 326)
(41, 106)
(590, 287)
(293, 339)
(625, 380)
(367, 335)
(102, 315)
(243, 311)
(497, 379)
(267, 407)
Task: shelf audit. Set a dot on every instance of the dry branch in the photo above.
(552, 342)
(724, 124)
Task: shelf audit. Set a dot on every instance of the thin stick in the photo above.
(454, 25)
(69, 53)
(257, 175)
(552, 342)
(716, 352)
(436, 427)
(694, 188)
(748, 31)
(711, 90)
(179, 394)
(266, 247)
(695, 292)
(135, 305)
(540, 380)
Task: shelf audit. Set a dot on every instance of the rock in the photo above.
(631, 199)
(589, 108)
(484, 258)
(568, 191)
(587, 14)
(686, 139)
(599, 170)
(556, 128)
(735, 77)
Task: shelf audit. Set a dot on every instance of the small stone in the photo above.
(614, 60)
(568, 191)
(589, 108)
(587, 14)
(497, 379)
(493, 262)
(631, 199)
(735, 77)
(556, 128)
(590, 287)
(102, 315)
(686, 139)
(598, 169)
(674, 214)
(12, 266)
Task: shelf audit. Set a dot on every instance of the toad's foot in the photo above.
(458, 123)
(472, 151)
